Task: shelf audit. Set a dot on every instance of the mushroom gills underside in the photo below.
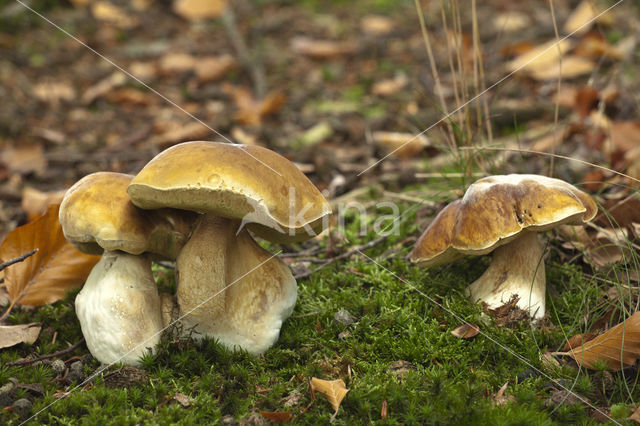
(516, 268)
(119, 309)
(231, 289)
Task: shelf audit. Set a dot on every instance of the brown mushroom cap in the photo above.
(96, 213)
(494, 210)
(233, 181)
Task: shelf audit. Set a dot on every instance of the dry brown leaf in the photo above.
(334, 390)
(103, 87)
(578, 340)
(322, 49)
(511, 21)
(570, 67)
(583, 17)
(399, 144)
(196, 10)
(384, 410)
(376, 24)
(108, 12)
(541, 56)
(35, 202)
(390, 86)
(56, 268)
(616, 348)
(277, 416)
(130, 96)
(24, 159)
(466, 331)
(11, 335)
(187, 132)
(635, 416)
(212, 68)
(251, 111)
(54, 92)
(500, 399)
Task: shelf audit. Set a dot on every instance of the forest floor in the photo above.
(339, 88)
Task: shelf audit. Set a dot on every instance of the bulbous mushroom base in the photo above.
(231, 289)
(119, 309)
(516, 268)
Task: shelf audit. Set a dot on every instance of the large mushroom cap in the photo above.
(494, 210)
(96, 213)
(233, 181)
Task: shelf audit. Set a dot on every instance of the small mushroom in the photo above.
(119, 308)
(229, 287)
(502, 214)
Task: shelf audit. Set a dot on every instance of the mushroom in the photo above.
(502, 214)
(119, 308)
(230, 288)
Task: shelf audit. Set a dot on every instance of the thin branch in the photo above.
(47, 356)
(8, 263)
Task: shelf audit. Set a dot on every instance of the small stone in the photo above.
(228, 420)
(254, 419)
(58, 367)
(22, 407)
(401, 368)
(76, 372)
(527, 374)
(343, 317)
(6, 394)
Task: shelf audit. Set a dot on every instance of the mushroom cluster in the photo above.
(503, 214)
(190, 204)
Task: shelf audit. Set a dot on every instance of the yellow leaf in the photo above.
(334, 390)
(56, 268)
(616, 348)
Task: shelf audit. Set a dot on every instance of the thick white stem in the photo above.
(119, 309)
(231, 289)
(517, 268)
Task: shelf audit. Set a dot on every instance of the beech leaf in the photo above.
(616, 348)
(334, 390)
(11, 335)
(56, 268)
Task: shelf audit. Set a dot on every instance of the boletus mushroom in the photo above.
(230, 288)
(503, 214)
(119, 309)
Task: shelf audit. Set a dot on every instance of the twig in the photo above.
(344, 255)
(253, 66)
(17, 259)
(47, 356)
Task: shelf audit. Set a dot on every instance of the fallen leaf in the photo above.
(130, 96)
(212, 68)
(321, 49)
(466, 331)
(251, 111)
(47, 275)
(635, 416)
(511, 21)
(35, 202)
(570, 67)
(104, 86)
(583, 17)
(616, 348)
(108, 12)
(399, 144)
(334, 390)
(540, 57)
(24, 159)
(183, 399)
(578, 340)
(383, 410)
(186, 132)
(277, 416)
(500, 399)
(376, 25)
(54, 92)
(11, 335)
(390, 86)
(196, 10)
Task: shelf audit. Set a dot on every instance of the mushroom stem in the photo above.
(516, 268)
(119, 309)
(230, 288)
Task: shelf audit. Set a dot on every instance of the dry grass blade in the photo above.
(334, 390)
(56, 268)
(616, 348)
